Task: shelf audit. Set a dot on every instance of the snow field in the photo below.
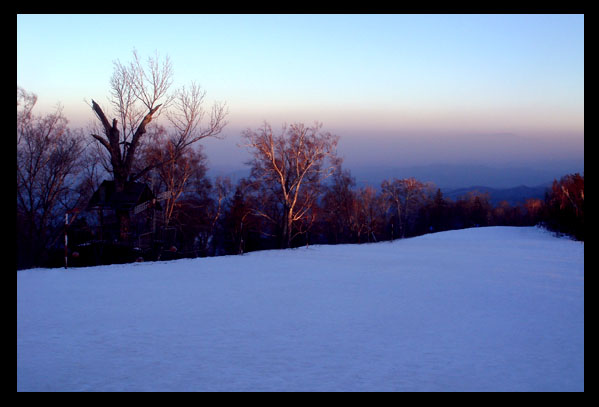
(487, 309)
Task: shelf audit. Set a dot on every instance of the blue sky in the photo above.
(396, 84)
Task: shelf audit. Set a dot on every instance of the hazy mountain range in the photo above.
(514, 185)
(463, 176)
(513, 195)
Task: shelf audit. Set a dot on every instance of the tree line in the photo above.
(297, 192)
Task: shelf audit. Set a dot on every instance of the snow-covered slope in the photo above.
(488, 309)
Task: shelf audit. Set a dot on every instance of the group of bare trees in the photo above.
(297, 191)
(341, 212)
(565, 206)
(48, 157)
(58, 169)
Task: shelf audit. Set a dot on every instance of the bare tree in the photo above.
(404, 195)
(239, 220)
(534, 210)
(139, 94)
(564, 203)
(175, 174)
(212, 214)
(48, 158)
(293, 165)
(369, 210)
(339, 203)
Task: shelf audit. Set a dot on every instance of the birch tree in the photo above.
(340, 207)
(404, 195)
(369, 213)
(175, 176)
(293, 164)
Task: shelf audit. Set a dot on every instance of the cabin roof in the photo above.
(106, 197)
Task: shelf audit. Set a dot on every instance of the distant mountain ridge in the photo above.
(454, 176)
(514, 196)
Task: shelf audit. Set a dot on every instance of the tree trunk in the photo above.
(124, 222)
(122, 215)
(287, 226)
(121, 161)
(289, 231)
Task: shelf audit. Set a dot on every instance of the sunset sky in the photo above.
(398, 89)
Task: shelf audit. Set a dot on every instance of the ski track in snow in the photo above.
(486, 309)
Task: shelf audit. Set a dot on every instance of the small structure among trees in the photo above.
(135, 198)
(140, 204)
(134, 194)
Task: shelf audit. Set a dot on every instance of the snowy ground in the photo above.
(488, 309)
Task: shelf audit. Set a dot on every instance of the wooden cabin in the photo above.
(136, 198)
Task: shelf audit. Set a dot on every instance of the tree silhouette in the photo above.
(139, 94)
